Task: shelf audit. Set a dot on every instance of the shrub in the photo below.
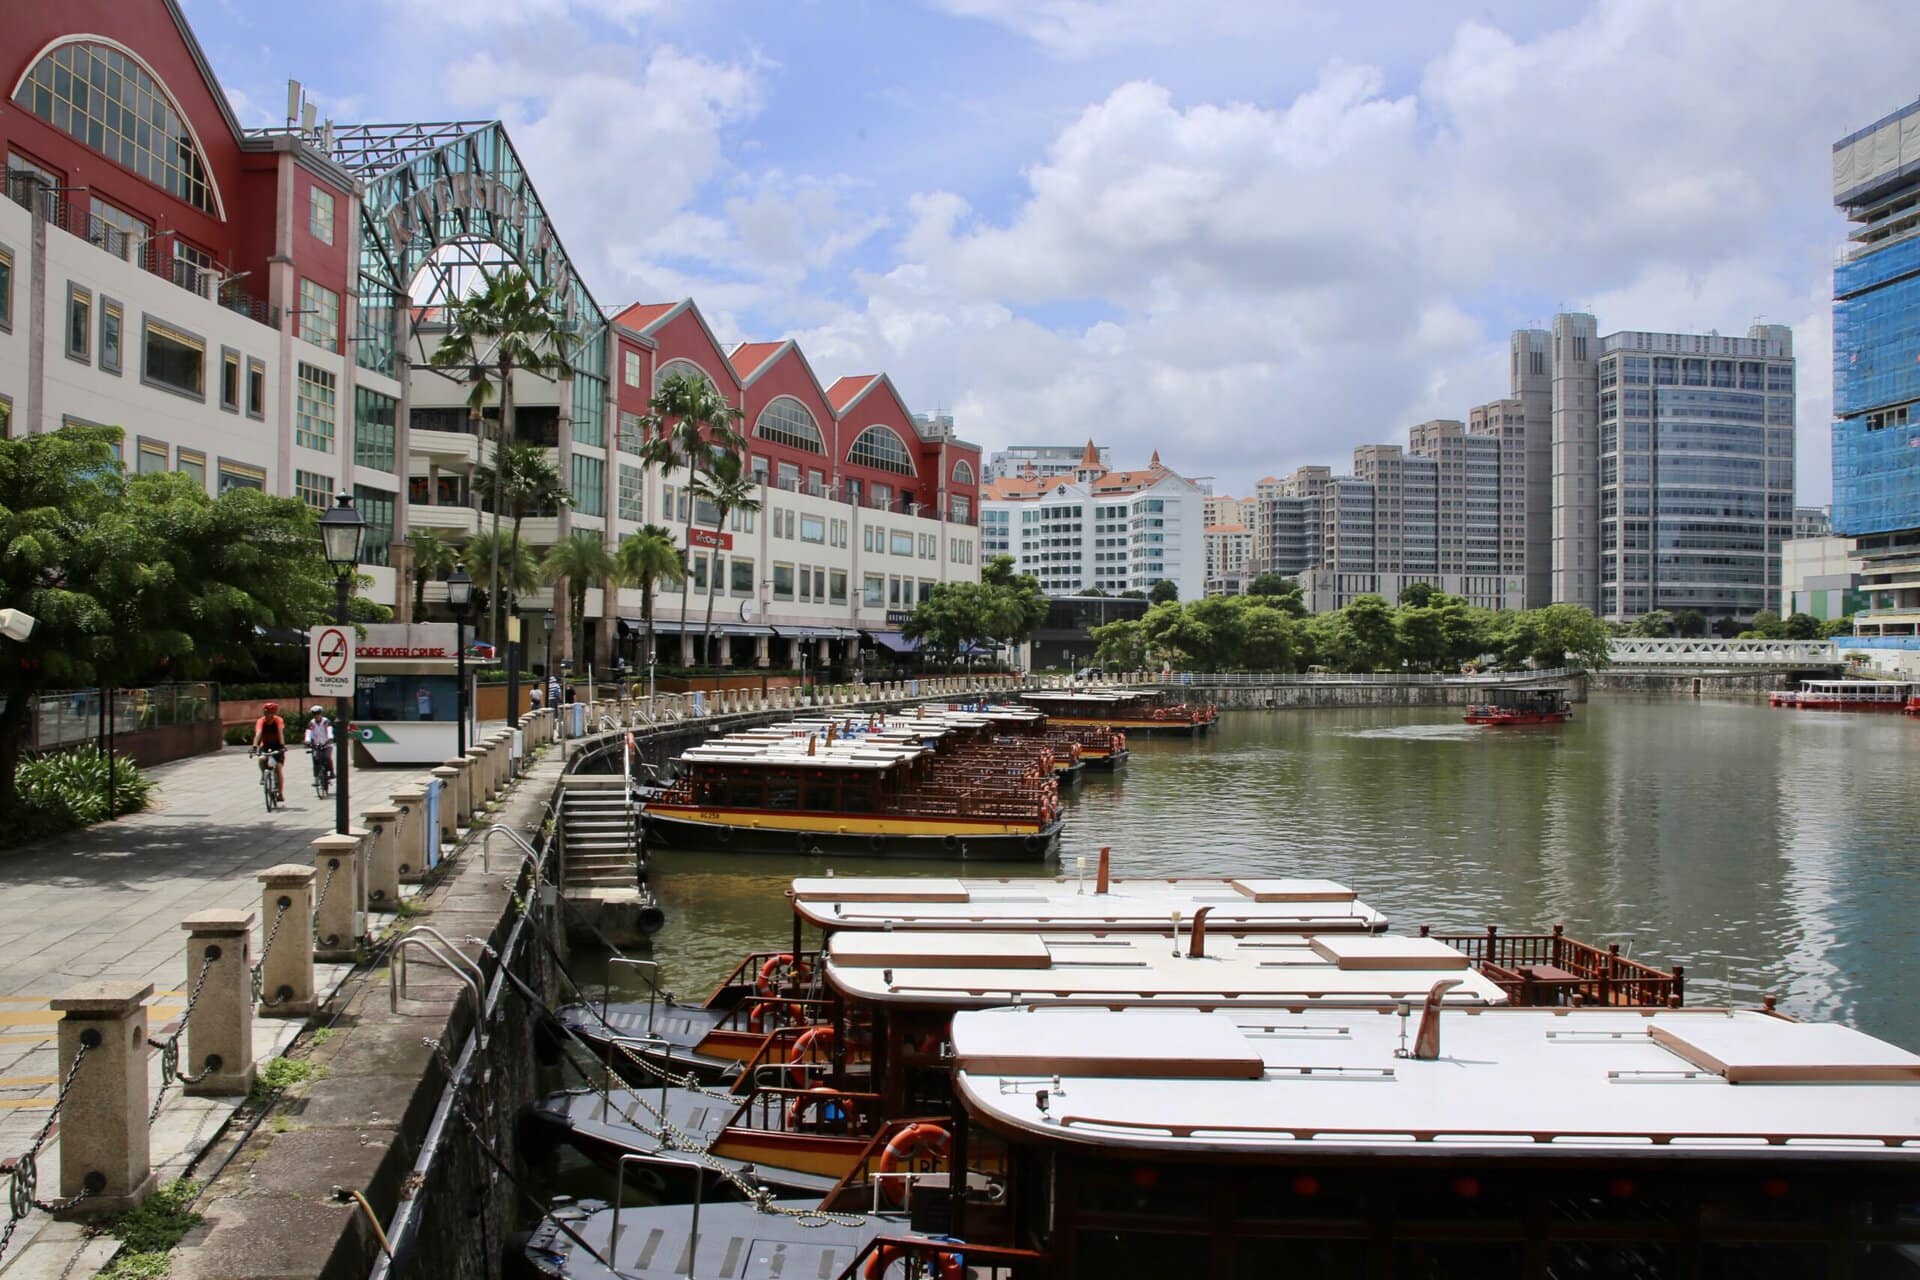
(68, 789)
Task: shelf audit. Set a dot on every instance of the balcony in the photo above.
(462, 522)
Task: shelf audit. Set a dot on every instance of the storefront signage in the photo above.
(710, 538)
(419, 640)
(899, 617)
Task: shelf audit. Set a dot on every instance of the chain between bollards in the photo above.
(170, 1047)
(260, 970)
(24, 1178)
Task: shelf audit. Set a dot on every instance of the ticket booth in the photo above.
(407, 703)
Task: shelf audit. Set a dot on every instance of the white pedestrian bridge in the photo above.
(1781, 655)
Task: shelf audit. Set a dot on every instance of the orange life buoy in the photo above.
(947, 1266)
(915, 1142)
(767, 985)
(757, 1016)
(811, 1045)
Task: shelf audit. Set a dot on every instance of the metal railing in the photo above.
(73, 716)
(1633, 652)
(1196, 678)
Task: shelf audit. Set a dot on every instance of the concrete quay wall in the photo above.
(1695, 684)
(1320, 694)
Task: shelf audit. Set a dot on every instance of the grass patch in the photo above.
(151, 1230)
(138, 1266)
(323, 1034)
(281, 1073)
(408, 908)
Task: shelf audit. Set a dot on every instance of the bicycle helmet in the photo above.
(315, 711)
(272, 708)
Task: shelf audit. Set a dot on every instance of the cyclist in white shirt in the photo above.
(319, 740)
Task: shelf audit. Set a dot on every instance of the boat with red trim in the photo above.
(1845, 695)
(1531, 705)
(1128, 710)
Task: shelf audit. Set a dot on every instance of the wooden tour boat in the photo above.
(1530, 705)
(1843, 695)
(1417, 1139)
(1128, 710)
(937, 789)
(1097, 747)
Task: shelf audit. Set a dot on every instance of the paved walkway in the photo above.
(106, 903)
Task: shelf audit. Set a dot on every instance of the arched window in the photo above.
(107, 99)
(684, 368)
(881, 447)
(786, 421)
(962, 473)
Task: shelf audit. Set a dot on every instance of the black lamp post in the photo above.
(341, 531)
(459, 596)
(546, 622)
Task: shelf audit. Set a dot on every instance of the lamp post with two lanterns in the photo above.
(459, 597)
(342, 529)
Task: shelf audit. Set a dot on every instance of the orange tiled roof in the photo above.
(842, 392)
(641, 314)
(1010, 488)
(749, 356)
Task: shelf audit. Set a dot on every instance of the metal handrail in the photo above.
(620, 1195)
(666, 1074)
(606, 989)
(397, 980)
(452, 949)
(486, 846)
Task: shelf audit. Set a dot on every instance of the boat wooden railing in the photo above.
(819, 1110)
(981, 1261)
(1552, 969)
(776, 1051)
(747, 974)
(854, 1193)
(769, 1015)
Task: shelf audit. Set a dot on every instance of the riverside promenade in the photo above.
(105, 904)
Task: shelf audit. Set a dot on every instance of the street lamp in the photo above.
(546, 624)
(341, 531)
(459, 597)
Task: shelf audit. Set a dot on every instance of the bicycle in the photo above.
(322, 770)
(266, 758)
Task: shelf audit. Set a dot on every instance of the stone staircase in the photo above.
(598, 833)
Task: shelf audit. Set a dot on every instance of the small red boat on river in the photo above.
(1521, 706)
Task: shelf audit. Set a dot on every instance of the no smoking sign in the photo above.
(330, 662)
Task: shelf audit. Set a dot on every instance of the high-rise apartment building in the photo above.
(1040, 460)
(1672, 468)
(1876, 370)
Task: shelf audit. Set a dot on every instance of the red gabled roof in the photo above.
(1091, 458)
(1008, 488)
(749, 356)
(640, 315)
(846, 390)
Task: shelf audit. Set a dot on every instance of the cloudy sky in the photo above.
(1250, 233)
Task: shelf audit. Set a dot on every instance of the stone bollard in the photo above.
(479, 788)
(410, 834)
(503, 760)
(220, 1031)
(449, 780)
(286, 957)
(383, 857)
(104, 1151)
(458, 797)
(336, 906)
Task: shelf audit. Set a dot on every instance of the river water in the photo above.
(1769, 851)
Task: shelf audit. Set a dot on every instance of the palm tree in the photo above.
(431, 556)
(527, 480)
(689, 423)
(643, 558)
(519, 570)
(508, 323)
(729, 487)
(579, 560)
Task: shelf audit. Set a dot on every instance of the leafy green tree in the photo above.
(1121, 645)
(1421, 634)
(1371, 639)
(1283, 593)
(1133, 595)
(687, 425)
(1270, 584)
(1021, 604)
(432, 557)
(1802, 626)
(1094, 593)
(526, 481)
(1568, 633)
(1163, 591)
(1175, 633)
(644, 558)
(1268, 637)
(507, 324)
(1468, 631)
(131, 578)
(1418, 595)
(728, 487)
(1689, 624)
(575, 563)
(1766, 625)
(1655, 625)
(519, 567)
(1833, 628)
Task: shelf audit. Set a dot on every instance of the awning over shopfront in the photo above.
(893, 640)
(812, 633)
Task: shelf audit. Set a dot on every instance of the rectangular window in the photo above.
(191, 266)
(893, 592)
(241, 475)
(789, 476)
(229, 379)
(699, 564)
(813, 529)
(319, 315)
(837, 587)
(376, 508)
(819, 583)
(313, 415)
(314, 489)
(783, 582)
(632, 494)
(320, 215)
(256, 389)
(152, 458)
(629, 433)
(174, 359)
(589, 485)
(741, 580)
(374, 416)
(630, 368)
(902, 543)
(873, 591)
(759, 467)
(6, 289)
(191, 462)
(112, 326)
(806, 585)
(926, 591)
(79, 323)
